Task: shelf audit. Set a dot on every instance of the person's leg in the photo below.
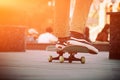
(80, 14)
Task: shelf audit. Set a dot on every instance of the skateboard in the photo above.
(72, 50)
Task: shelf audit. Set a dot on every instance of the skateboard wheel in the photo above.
(50, 59)
(61, 59)
(83, 60)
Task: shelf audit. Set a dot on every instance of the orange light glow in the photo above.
(7, 2)
(31, 13)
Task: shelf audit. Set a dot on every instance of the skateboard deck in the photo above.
(75, 49)
(70, 48)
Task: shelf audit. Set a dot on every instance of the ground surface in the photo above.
(34, 65)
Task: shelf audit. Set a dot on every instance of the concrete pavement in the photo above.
(34, 65)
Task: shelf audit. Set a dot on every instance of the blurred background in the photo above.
(39, 14)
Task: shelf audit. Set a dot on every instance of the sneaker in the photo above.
(61, 43)
(75, 39)
(84, 43)
(79, 39)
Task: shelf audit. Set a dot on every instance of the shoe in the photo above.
(61, 43)
(84, 43)
(79, 39)
(75, 39)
